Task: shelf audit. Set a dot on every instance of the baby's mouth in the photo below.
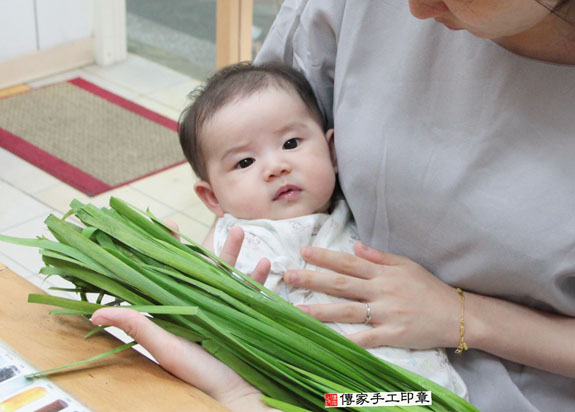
(287, 192)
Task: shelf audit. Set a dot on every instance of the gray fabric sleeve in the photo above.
(304, 36)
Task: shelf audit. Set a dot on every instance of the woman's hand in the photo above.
(412, 308)
(187, 360)
(409, 306)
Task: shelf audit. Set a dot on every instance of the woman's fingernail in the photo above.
(290, 277)
(98, 321)
(306, 252)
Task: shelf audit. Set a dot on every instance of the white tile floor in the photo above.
(28, 195)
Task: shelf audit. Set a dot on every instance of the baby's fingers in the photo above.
(232, 245)
(262, 270)
(174, 226)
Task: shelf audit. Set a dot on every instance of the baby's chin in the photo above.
(283, 214)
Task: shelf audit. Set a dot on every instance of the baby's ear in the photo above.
(205, 192)
(329, 135)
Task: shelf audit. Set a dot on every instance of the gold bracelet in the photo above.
(462, 345)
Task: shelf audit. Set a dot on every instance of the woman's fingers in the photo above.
(369, 338)
(351, 312)
(345, 312)
(137, 326)
(377, 256)
(188, 361)
(360, 266)
(409, 306)
(330, 283)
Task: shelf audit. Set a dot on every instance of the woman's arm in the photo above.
(412, 308)
(521, 334)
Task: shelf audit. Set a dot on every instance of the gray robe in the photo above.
(456, 153)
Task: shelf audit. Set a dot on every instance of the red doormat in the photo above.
(88, 137)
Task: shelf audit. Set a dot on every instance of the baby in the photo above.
(257, 140)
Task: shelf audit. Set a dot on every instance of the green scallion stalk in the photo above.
(130, 257)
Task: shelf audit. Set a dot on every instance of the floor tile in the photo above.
(175, 96)
(26, 256)
(86, 74)
(23, 175)
(158, 107)
(39, 281)
(200, 213)
(13, 265)
(17, 207)
(29, 195)
(58, 282)
(59, 197)
(173, 187)
(135, 198)
(104, 83)
(138, 74)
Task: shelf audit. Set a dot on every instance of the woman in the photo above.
(455, 150)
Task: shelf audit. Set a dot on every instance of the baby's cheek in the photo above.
(253, 207)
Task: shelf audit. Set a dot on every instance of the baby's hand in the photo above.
(231, 250)
(174, 226)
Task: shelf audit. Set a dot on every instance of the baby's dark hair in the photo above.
(231, 83)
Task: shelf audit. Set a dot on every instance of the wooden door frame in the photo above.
(234, 20)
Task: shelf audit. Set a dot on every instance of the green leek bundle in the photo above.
(131, 258)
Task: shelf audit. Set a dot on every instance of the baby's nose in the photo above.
(277, 169)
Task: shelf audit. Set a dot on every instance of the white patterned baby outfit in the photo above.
(281, 240)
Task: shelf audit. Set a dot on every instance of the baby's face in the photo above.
(268, 158)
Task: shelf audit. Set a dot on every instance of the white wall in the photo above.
(27, 26)
(17, 28)
(63, 21)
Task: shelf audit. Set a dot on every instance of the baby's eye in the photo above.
(242, 164)
(291, 143)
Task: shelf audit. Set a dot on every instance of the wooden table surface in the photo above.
(125, 382)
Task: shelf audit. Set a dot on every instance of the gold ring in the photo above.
(367, 313)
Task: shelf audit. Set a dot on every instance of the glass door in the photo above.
(181, 34)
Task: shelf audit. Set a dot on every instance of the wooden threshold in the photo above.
(47, 62)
